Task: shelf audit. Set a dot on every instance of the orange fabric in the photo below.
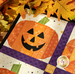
(72, 43)
(6, 71)
(68, 52)
(71, 67)
(70, 49)
(27, 25)
(15, 32)
(51, 46)
(47, 37)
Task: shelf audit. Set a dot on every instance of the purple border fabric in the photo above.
(25, 58)
(60, 71)
(62, 43)
(46, 73)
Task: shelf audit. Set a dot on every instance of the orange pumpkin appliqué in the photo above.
(6, 71)
(33, 39)
(69, 51)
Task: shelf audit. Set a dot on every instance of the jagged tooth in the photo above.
(24, 41)
(37, 46)
(31, 50)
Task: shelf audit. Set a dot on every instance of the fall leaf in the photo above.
(1, 16)
(62, 9)
(3, 24)
(38, 2)
(31, 4)
(43, 7)
(15, 6)
(20, 9)
(24, 1)
(2, 1)
(35, 4)
(72, 1)
(59, 7)
(12, 15)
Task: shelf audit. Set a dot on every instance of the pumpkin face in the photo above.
(33, 39)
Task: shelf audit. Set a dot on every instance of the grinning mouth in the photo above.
(29, 47)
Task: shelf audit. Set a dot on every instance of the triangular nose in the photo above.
(33, 39)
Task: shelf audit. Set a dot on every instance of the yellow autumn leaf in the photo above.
(62, 9)
(20, 9)
(4, 23)
(16, 7)
(24, 1)
(1, 1)
(38, 2)
(31, 4)
(59, 7)
(3, 26)
(45, 6)
(12, 15)
(13, 3)
(1, 16)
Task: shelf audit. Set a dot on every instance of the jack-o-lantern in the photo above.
(6, 71)
(33, 39)
(69, 51)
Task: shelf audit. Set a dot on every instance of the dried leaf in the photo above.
(2, 1)
(15, 6)
(38, 2)
(31, 4)
(3, 24)
(21, 10)
(60, 7)
(1, 16)
(63, 9)
(45, 6)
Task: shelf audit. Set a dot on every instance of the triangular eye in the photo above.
(30, 31)
(41, 35)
